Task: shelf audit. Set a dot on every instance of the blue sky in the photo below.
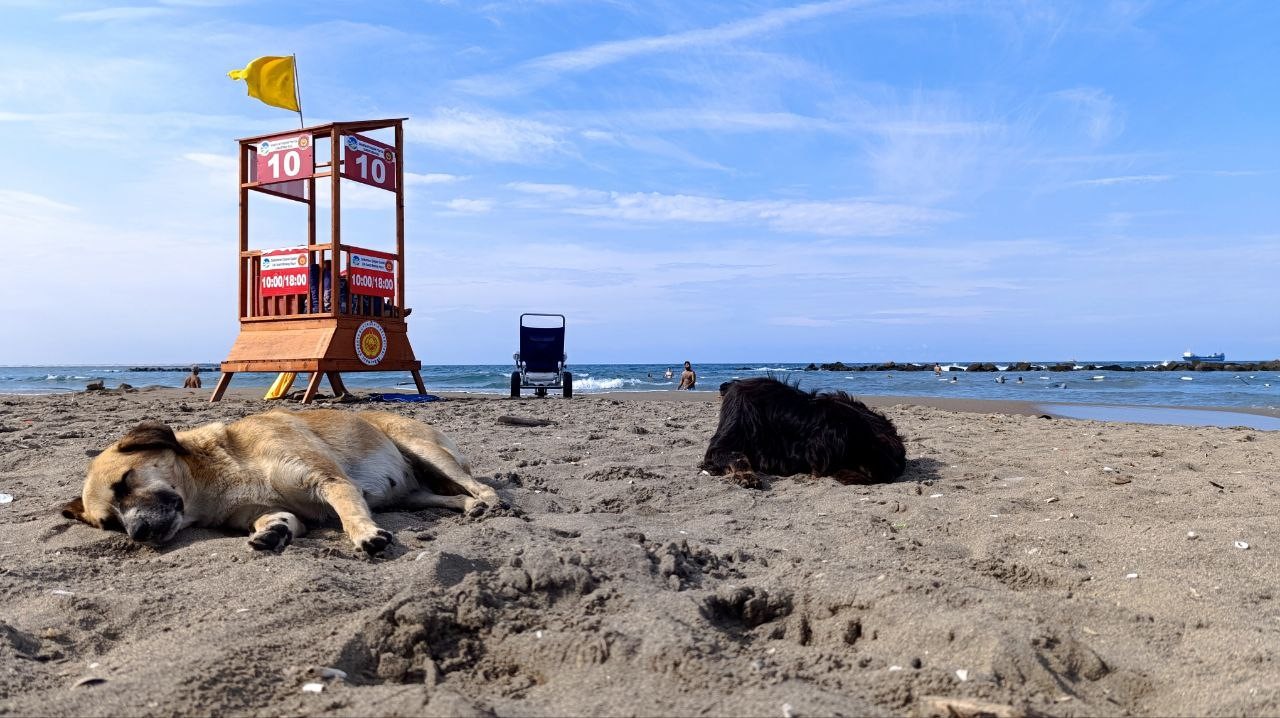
(853, 180)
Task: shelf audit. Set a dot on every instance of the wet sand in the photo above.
(1040, 564)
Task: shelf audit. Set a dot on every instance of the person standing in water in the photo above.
(688, 377)
(193, 379)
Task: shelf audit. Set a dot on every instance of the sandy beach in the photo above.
(1046, 565)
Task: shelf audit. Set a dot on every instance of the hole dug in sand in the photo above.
(480, 627)
(745, 608)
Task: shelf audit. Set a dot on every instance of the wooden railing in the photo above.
(315, 300)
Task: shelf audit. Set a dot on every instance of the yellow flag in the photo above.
(271, 80)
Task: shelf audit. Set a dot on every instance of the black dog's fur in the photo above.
(775, 428)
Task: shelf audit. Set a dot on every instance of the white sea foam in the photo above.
(587, 383)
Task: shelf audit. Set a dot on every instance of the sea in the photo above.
(1259, 390)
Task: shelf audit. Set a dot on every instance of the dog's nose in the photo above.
(170, 500)
(140, 531)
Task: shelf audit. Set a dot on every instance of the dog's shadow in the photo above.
(919, 470)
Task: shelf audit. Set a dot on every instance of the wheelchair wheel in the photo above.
(515, 385)
(568, 385)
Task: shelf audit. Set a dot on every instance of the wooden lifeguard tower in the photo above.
(325, 308)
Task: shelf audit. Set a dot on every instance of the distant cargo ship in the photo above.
(1188, 356)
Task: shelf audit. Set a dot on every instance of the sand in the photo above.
(1039, 564)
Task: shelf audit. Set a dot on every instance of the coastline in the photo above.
(1211, 390)
(1156, 414)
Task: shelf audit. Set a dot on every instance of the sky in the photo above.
(912, 180)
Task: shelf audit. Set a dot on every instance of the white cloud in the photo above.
(212, 161)
(607, 53)
(931, 315)
(557, 191)
(834, 218)
(802, 322)
(1238, 173)
(654, 146)
(488, 136)
(203, 3)
(543, 69)
(115, 14)
(469, 206)
(1126, 179)
(16, 204)
(1096, 112)
(90, 128)
(412, 178)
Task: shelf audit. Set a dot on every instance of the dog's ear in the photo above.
(74, 509)
(150, 435)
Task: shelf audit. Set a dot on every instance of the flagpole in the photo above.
(297, 92)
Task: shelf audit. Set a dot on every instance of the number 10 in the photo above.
(379, 169)
(292, 164)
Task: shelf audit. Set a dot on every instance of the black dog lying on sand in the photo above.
(774, 428)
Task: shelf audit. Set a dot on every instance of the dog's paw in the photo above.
(273, 538)
(476, 509)
(377, 540)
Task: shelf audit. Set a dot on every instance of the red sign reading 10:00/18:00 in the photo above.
(369, 161)
(284, 158)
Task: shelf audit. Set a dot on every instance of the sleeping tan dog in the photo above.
(268, 473)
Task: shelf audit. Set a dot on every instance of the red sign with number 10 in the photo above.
(284, 158)
(369, 161)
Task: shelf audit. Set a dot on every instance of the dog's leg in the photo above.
(345, 499)
(723, 461)
(859, 475)
(275, 530)
(437, 451)
(479, 496)
(427, 500)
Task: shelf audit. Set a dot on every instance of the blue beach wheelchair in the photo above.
(540, 363)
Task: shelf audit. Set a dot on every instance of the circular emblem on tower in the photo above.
(371, 343)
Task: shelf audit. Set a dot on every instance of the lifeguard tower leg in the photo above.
(313, 385)
(221, 387)
(335, 382)
(417, 379)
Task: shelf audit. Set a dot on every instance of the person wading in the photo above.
(688, 377)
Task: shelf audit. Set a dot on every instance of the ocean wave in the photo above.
(46, 378)
(587, 383)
